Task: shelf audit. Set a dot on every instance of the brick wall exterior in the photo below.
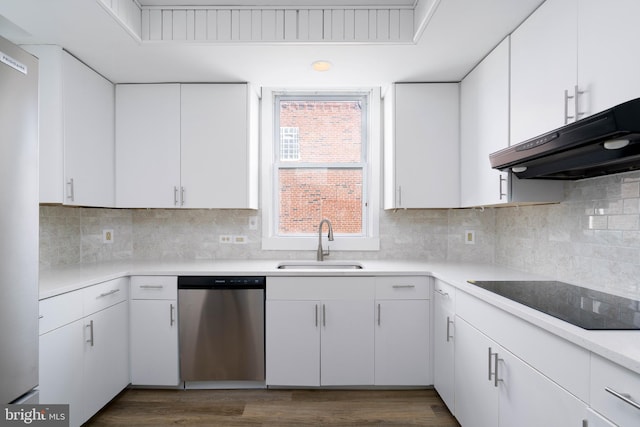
(329, 132)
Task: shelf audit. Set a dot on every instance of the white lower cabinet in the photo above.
(402, 333)
(314, 343)
(615, 392)
(292, 343)
(154, 331)
(493, 387)
(84, 348)
(106, 357)
(348, 331)
(443, 342)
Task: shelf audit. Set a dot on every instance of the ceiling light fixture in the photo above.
(321, 65)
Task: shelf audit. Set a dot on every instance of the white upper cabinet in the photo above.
(422, 146)
(543, 67)
(608, 41)
(76, 131)
(484, 129)
(216, 151)
(582, 47)
(147, 145)
(186, 145)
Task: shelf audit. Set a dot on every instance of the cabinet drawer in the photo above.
(103, 295)
(606, 375)
(154, 287)
(60, 310)
(402, 287)
(558, 359)
(445, 295)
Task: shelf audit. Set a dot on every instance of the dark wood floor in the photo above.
(137, 407)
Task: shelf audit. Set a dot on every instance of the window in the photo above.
(322, 167)
(289, 144)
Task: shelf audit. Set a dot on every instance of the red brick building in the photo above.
(316, 138)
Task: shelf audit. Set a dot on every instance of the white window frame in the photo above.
(370, 239)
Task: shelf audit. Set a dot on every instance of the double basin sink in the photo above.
(319, 265)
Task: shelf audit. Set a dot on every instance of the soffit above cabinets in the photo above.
(273, 22)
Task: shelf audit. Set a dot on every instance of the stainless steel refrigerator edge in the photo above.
(18, 223)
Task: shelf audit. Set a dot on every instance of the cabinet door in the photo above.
(347, 350)
(214, 146)
(484, 118)
(148, 145)
(607, 71)
(529, 399)
(443, 352)
(476, 398)
(60, 376)
(154, 343)
(88, 110)
(106, 356)
(402, 343)
(292, 343)
(427, 146)
(543, 65)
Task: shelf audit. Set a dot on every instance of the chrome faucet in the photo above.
(321, 252)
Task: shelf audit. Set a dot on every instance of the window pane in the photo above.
(309, 195)
(329, 131)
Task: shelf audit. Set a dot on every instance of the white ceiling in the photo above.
(458, 36)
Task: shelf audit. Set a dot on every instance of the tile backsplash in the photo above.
(591, 238)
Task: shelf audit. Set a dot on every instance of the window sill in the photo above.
(311, 243)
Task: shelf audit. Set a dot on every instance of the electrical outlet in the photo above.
(107, 236)
(225, 238)
(240, 240)
(470, 237)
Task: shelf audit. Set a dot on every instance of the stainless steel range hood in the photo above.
(602, 144)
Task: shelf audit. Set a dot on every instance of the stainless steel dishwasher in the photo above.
(221, 328)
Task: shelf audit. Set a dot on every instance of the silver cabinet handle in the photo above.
(151, 286)
(494, 375)
(626, 398)
(576, 98)
(175, 196)
(449, 323)
(181, 196)
(403, 286)
(90, 326)
(41, 316)
(316, 315)
(567, 97)
(106, 294)
(324, 316)
(441, 292)
(399, 195)
(172, 317)
(71, 195)
(501, 191)
(378, 314)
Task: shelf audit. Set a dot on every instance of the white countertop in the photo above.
(622, 347)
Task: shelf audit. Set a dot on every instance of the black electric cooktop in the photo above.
(579, 306)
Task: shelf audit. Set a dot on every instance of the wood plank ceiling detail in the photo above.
(373, 24)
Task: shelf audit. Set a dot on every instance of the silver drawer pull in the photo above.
(441, 292)
(403, 286)
(41, 316)
(151, 286)
(90, 326)
(624, 397)
(106, 294)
